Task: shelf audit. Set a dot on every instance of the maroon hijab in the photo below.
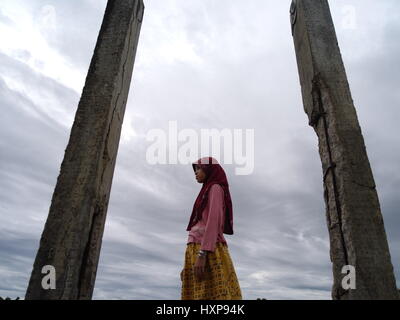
(215, 174)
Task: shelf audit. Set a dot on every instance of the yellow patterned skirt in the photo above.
(220, 281)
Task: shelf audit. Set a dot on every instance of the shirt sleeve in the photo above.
(215, 218)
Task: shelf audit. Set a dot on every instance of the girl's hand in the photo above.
(200, 267)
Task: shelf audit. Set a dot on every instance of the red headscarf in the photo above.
(215, 174)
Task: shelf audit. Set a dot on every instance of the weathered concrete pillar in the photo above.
(354, 219)
(71, 240)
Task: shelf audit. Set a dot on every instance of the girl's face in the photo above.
(200, 174)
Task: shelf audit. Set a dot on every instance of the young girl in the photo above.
(208, 272)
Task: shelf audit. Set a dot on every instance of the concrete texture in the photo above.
(354, 219)
(72, 236)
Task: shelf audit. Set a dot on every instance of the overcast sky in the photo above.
(204, 64)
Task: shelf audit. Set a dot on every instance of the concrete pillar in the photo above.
(354, 219)
(71, 240)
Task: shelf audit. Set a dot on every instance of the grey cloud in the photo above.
(246, 78)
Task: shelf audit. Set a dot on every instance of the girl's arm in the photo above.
(215, 218)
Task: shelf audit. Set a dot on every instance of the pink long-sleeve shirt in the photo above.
(209, 229)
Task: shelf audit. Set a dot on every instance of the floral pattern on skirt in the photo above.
(220, 281)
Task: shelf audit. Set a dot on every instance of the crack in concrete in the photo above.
(363, 185)
(316, 92)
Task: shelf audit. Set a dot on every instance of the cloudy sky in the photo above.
(204, 64)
